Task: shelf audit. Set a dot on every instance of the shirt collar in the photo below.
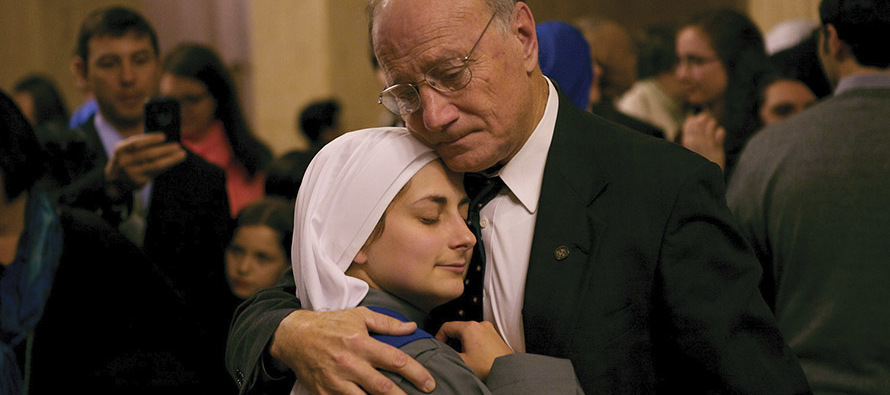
(107, 134)
(524, 173)
(382, 299)
(863, 81)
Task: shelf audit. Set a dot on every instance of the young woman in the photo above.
(213, 124)
(380, 222)
(721, 57)
(259, 252)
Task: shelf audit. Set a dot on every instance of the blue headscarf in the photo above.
(564, 56)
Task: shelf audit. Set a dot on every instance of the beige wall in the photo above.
(39, 36)
(305, 51)
(769, 13)
(290, 52)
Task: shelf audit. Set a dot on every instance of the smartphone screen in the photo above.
(163, 115)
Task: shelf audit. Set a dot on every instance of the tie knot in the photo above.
(481, 188)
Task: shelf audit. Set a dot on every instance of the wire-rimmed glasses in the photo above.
(450, 75)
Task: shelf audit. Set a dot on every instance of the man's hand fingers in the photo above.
(140, 141)
(331, 352)
(389, 358)
(386, 357)
(384, 324)
(151, 160)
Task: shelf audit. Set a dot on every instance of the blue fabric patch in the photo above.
(398, 341)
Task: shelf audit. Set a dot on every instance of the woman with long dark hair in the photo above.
(213, 123)
(721, 58)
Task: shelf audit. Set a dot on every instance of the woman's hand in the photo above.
(480, 342)
(703, 135)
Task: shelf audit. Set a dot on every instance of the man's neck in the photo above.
(850, 67)
(128, 131)
(124, 130)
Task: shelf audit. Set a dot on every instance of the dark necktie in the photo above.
(468, 307)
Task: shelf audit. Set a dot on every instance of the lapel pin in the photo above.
(561, 252)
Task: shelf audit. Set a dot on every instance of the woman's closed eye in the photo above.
(429, 220)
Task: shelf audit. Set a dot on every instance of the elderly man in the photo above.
(606, 247)
(811, 194)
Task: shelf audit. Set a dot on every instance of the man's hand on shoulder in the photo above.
(332, 352)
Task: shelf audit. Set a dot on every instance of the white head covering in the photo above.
(345, 191)
(788, 34)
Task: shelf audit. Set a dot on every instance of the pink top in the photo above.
(215, 148)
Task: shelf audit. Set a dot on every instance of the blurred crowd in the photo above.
(125, 251)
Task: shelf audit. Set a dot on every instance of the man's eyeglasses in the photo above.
(447, 76)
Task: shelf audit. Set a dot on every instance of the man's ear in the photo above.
(79, 69)
(523, 24)
(837, 49)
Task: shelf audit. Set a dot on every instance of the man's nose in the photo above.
(437, 109)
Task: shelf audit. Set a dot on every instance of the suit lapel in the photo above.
(565, 234)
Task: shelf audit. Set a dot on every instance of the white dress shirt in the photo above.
(508, 224)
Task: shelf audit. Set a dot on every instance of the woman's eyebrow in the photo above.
(438, 199)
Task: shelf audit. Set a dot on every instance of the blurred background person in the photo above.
(657, 97)
(259, 252)
(40, 101)
(721, 58)
(285, 174)
(780, 97)
(213, 123)
(801, 62)
(65, 278)
(160, 195)
(564, 56)
(614, 61)
(810, 194)
(319, 122)
(42, 104)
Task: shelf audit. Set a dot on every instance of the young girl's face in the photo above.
(424, 250)
(255, 259)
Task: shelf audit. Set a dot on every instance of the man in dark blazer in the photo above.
(811, 194)
(165, 199)
(626, 257)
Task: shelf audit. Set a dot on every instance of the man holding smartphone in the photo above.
(164, 198)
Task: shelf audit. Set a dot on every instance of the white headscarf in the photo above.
(345, 191)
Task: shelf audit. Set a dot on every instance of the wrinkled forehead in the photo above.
(411, 36)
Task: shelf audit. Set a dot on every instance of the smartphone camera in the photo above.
(163, 115)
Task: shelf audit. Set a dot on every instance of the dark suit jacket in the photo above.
(658, 292)
(187, 229)
(103, 334)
